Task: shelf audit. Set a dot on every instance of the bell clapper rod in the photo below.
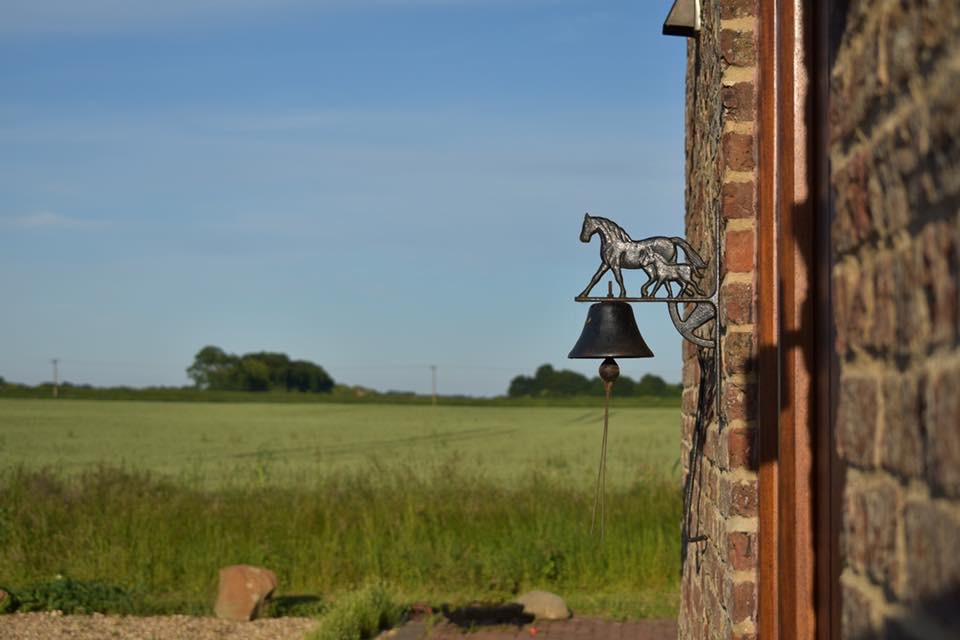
(609, 372)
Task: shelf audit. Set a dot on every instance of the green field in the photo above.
(223, 444)
(443, 504)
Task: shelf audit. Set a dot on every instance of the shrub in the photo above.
(76, 596)
(8, 602)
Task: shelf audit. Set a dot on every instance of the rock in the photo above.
(243, 591)
(544, 605)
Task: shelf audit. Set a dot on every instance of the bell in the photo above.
(610, 332)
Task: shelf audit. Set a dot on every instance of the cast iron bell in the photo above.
(610, 332)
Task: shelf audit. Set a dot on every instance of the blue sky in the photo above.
(374, 185)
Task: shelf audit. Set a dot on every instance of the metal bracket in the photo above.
(657, 257)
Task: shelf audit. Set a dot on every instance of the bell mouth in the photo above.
(610, 331)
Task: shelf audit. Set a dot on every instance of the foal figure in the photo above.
(619, 251)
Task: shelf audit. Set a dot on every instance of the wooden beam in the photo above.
(768, 375)
(796, 264)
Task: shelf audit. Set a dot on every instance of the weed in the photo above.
(358, 616)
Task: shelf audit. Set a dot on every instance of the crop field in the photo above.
(442, 504)
(224, 444)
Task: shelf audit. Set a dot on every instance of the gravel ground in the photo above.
(52, 626)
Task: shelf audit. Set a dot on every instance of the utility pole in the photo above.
(56, 377)
(433, 374)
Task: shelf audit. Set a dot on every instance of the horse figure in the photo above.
(663, 273)
(619, 251)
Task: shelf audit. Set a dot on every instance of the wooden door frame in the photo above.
(797, 535)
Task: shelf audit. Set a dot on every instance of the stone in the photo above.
(544, 605)
(943, 414)
(243, 591)
(857, 414)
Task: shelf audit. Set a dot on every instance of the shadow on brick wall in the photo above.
(934, 618)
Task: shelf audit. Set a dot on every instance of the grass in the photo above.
(444, 505)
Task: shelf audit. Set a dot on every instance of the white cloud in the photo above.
(44, 220)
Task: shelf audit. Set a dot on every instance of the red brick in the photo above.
(738, 151)
(741, 453)
(742, 550)
(738, 353)
(738, 102)
(737, 9)
(738, 497)
(739, 401)
(739, 251)
(714, 483)
(741, 601)
(710, 443)
(738, 200)
(737, 303)
(737, 47)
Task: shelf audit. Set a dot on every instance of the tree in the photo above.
(254, 374)
(277, 365)
(651, 385)
(215, 369)
(522, 386)
(212, 368)
(307, 376)
(547, 381)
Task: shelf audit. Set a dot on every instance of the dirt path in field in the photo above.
(44, 626)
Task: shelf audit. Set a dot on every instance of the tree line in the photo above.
(548, 381)
(217, 370)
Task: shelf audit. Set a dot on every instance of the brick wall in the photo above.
(719, 594)
(895, 171)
